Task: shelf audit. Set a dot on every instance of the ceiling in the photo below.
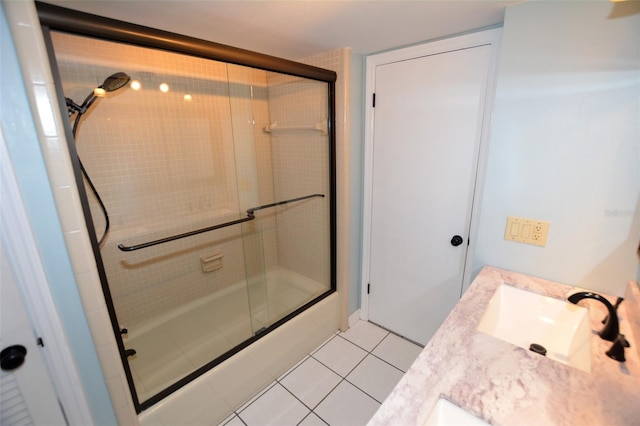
(302, 28)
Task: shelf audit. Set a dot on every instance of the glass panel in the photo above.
(249, 106)
(181, 143)
(299, 270)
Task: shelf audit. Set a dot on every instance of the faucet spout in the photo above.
(610, 330)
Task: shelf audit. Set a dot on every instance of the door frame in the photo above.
(33, 287)
(490, 37)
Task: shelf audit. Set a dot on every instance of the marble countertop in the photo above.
(507, 385)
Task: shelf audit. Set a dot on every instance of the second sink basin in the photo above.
(523, 318)
(445, 413)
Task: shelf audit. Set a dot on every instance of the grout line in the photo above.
(388, 363)
(355, 344)
(325, 397)
(301, 401)
(311, 409)
(312, 412)
(294, 368)
(339, 375)
(397, 335)
(353, 384)
(323, 344)
(380, 342)
(356, 386)
(316, 406)
(239, 418)
(255, 398)
(343, 378)
(372, 354)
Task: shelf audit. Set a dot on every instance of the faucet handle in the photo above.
(617, 349)
(618, 302)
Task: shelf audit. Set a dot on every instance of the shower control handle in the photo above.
(456, 240)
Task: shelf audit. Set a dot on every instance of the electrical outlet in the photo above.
(529, 231)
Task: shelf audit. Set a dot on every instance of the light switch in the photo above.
(515, 229)
(530, 231)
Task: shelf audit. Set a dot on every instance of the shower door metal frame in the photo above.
(55, 18)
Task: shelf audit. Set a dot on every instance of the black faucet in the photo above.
(617, 349)
(610, 330)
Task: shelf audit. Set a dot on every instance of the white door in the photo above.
(27, 394)
(426, 136)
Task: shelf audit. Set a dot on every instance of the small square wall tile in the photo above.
(397, 351)
(311, 381)
(347, 405)
(275, 407)
(340, 355)
(365, 335)
(375, 377)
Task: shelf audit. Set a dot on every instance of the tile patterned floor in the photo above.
(343, 382)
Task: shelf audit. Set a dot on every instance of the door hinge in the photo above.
(368, 288)
(374, 100)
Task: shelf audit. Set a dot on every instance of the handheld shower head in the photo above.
(115, 81)
(111, 84)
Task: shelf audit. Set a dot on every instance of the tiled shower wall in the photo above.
(159, 174)
(301, 167)
(303, 234)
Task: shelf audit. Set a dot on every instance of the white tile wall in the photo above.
(156, 169)
(159, 173)
(301, 167)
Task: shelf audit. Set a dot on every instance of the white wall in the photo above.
(565, 144)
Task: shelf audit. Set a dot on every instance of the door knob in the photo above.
(456, 240)
(12, 357)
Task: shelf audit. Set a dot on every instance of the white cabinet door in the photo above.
(28, 396)
(427, 129)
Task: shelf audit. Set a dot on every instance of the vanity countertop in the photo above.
(507, 385)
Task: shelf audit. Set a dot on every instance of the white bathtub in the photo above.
(179, 342)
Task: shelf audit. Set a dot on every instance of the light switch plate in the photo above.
(529, 231)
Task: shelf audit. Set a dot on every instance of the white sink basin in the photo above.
(522, 318)
(444, 413)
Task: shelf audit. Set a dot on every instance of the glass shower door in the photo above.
(216, 180)
(283, 162)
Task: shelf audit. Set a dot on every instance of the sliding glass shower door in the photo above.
(209, 187)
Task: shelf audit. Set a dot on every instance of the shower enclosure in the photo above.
(208, 188)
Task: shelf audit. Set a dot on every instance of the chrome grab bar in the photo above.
(250, 216)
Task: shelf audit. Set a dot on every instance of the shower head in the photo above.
(111, 84)
(115, 81)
